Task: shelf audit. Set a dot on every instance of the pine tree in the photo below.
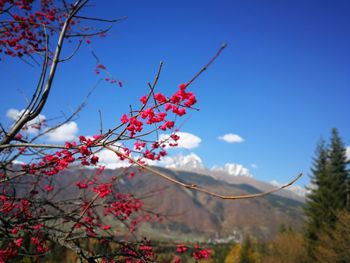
(339, 173)
(315, 207)
(329, 193)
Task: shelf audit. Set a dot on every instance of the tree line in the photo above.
(325, 236)
(328, 203)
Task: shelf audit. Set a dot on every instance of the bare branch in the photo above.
(198, 188)
(73, 53)
(223, 46)
(103, 20)
(28, 116)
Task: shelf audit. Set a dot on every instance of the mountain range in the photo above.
(187, 211)
(190, 215)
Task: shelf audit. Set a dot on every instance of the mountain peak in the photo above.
(233, 169)
(187, 162)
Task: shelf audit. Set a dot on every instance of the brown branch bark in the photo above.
(198, 188)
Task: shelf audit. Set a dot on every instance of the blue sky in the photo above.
(281, 84)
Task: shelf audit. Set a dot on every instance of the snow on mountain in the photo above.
(296, 189)
(185, 162)
(233, 169)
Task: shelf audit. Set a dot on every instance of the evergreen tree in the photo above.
(329, 192)
(245, 251)
(339, 173)
(315, 207)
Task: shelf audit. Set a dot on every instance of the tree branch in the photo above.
(198, 188)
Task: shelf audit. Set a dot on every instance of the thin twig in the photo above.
(102, 20)
(73, 53)
(81, 216)
(223, 46)
(101, 123)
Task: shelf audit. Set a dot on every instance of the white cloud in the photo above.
(348, 152)
(32, 126)
(254, 166)
(66, 132)
(186, 141)
(231, 138)
(110, 160)
(233, 169)
(13, 114)
(297, 189)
